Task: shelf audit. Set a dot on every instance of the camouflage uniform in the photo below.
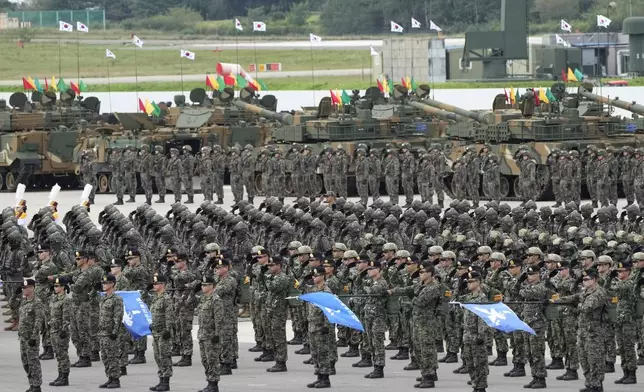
(626, 170)
(426, 175)
(590, 168)
(626, 323)
(84, 283)
(533, 315)
(473, 179)
(591, 354)
(340, 169)
(278, 175)
(31, 321)
(375, 321)
(226, 289)
(184, 303)
(219, 169)
(459, 180)
(528, 178)
(163, 317)
(211, 318)
(139, 277)
(262, 165)
(492, 178)
(603, 179)
(236, 174)
(567, 178)
(116, 161)
(88, 172)
(188, 163)
(110, 325)
(375, 172)
(206, 173)
(475, 334)
(326, 166)
(44, 293)
(310, 165)
(439, 162)
(248, 171)
(555, 175)
(568, 322)
(577, 173)
(129, 172)
(276, 289)
(391, 171)
(158, 171)
(60, 315)
(145, 169)
(407, 170)
(320, 335)
(362, 176)
(174, 170)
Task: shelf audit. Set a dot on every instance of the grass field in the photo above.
(303, 83)
(42, 59)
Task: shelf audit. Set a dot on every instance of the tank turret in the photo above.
(284, 118)
(586, 89)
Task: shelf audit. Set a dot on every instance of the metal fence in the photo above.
(94, 19)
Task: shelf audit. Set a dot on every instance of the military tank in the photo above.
(40, 136)
(574, 121)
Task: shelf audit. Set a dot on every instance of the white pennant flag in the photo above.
(259, 26)
(602, 21)
(315, 39)
(64, 26)
(137, 41)
(432, 26)
(82, 27)
(238, 25)
(396, 28)
(188, 55)
(560, 40)
(415, 24)
(373, 51)
(109, 54)
(565, 26)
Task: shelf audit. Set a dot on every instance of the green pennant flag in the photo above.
(390, 83)
(346, 99)
(414, 85)
(241, 82)
(82, 86)
(551, 97)
(578, 75)
(157, 110)
(37, 84)
(262, 85)
(61, 85)
(221, 83)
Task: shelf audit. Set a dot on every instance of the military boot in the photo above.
(425, 382)
(297, 339)
(35, 389)
(119, 201)
(154, 388)
(518, 371)
(191, 200)
(219, 201)
(531, 383)
(501, 359)
(13, 327)
(540, 383)
(83, 362)
(460, 368)
(165, 385)
(123, 370)
(53, 383)
(413, 365)
(353, 352)
(131, 200)
(148, 200)
(139, 357)
(95, 357)
(279, 367)
(392, 346)
(308, 361)
(364, 362)
(631, 377)
(262, 356)
(314, 383)
(257, 348)
(186, 360)
(342, 343)
(557, 363)
(114, 383)
(489, 351)
(250, 199)
(324, 382)
(47, 354)
(305, 350)
(569, 375)
(449, 358)
(225, 370)
(610, 367)
(161, 199)
(63, 381)
(7, 312)
(395, 356)
(377, 372)
(105, 384)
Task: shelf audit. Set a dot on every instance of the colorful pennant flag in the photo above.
(551, 96)
(53, 83)
(542, 96)
(229, 80)
(82, 87)
(37, 85)
(578, 75)
(380, 87)
(414, 85)
(27, 85)
(390, 85)
(210, 82)
(346, 99)
(157, 110)
(262, 85)
(507, 98)
(62, 86)
(46, 85)
(220, 83)
(564, 76)
(141, 106)
(240, 81)
(512, 96)
(334, 99)
(571, 76)
(537, 101)
(74, 87)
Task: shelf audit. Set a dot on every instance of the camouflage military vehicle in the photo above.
(222, 120)
(371, 120)
(575, 121)
(40, 138)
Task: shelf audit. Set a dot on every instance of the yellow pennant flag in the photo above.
(149, 109)
(54, 83)
(408, 82)
(337, 94)
(512, 96)
(571, 76)
(542, 96)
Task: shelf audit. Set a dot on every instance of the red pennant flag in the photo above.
(254, 85)
(507, 98)
(404, 82)
(564, 76)
(229, 80)
(537, 101)
(46, 85)
(74, 87)
(209, 83)
(380, 87)
(26, 85)
(141, 105)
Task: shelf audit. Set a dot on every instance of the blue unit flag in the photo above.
(499, 316)
(336, 312)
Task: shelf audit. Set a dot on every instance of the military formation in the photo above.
(574, 274)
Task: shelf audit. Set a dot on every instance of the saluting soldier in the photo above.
(110, 326)
(163, 314)
(31, 315)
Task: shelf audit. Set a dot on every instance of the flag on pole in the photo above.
(27, 85)
(537, 101)
(413, 84)
(564, 76)
(390, 85)
(188, 55)
(64, 26)
(46, 85)
(380, 86)
(53, 83)
(396, 28)
(141, 105)
(81, 27)
(62, 86)
(542, 96)
(415, 24)
(602, 21)
(156, 109)
(404, 82)
(109, 54)
(551, 96)
(221, 83)
(334, 310)
(346, 99)
(82, 87)
(561, 40)
(238, 25)
(315, 39)
(136, 315)
(512, 96)
(507, 98)
(149, 109)
(262, 85)
(37, 84)
(210, 82)
(229, 80)
(432, 26)
(74, 87)
(373, 51)
(137, 41)
(578, 75)
(571, 76)
(259, 26)
(240, 81)
(499, 316)
(408, 82)
(565, 26)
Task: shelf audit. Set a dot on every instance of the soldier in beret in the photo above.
(31, 315)
(110, 327)
(163, 315)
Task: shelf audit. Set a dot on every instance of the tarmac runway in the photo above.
(251, 375)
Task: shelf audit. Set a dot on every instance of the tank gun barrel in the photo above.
(435, 111)
(482, 117)
(284, 118)
(630, 106)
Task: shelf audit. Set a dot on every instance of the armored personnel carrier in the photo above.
(574, 121)
(40, 137)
